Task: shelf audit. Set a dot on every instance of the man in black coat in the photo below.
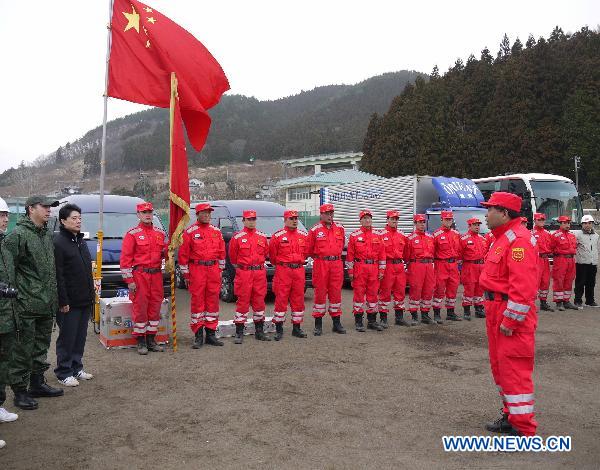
(75, 296)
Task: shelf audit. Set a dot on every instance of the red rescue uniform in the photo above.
(365, 260)
(446, 254)
(287, 252)
(421, 277)
(544, 244)
(248, 251)
(325, 246)
(489, 239)
(564, 247)
(509, 278)
(473, 249)
(143, 250)
(201, 260)
(393, 283)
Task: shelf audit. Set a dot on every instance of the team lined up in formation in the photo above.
(380, 264)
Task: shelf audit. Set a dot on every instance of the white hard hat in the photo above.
(4, 206)
(587, 218)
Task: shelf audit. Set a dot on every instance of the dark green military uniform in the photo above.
(32, 253)
(8, 321)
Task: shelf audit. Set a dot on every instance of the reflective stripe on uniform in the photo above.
(519, 398)
(514, 316)
(517, 307)
(520, 410)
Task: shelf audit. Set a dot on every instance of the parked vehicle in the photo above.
(227, 216)
(119, 216)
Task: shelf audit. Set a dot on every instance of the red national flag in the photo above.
(146, 47)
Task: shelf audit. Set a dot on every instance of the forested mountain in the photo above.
(532, 108)
(327, 119)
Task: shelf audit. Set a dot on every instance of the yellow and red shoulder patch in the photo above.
(518, 254)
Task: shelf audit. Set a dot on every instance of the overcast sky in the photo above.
(53, 52)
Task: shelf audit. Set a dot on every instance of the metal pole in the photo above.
(577, 173)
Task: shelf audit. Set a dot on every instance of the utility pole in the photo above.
(577, 166)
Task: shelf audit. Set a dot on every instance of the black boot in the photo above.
(479, 312)
(198, 339)
(425, 318)
(239, 333)
(399, 320)
(569, 306)
(25, 401)
(383, 320)
(415, 319)
(39, 388)
(501, 425)
(337, 326)
(560, 307)
(450, 315)
(153, 345)
(259, 331)
(211, 338)
(278, 331)
(467, 309)
(142, 347)
(318, 331)
(437, 317)
(297, 331)
(545, 306)
(372, 322)
(358, 322)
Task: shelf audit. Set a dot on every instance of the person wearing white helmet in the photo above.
(8, 319)
(586, 263)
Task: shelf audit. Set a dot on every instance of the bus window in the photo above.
(518, 187)
(556, 198)
(487, 188)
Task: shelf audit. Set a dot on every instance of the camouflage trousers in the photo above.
(30, 352)
(7, 345)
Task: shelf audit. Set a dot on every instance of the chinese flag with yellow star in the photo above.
(146, 47)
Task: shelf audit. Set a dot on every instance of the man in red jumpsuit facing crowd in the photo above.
(564, 247)
(421, 277)
(366, 266)
(325, 244)
(544, 244)
(248, 251)
(287, 252)
(510, 281)
(394, 279)
(473, 249)
(142, 254)
(201, 260)
(446, 254)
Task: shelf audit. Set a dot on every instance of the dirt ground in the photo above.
(362, 400)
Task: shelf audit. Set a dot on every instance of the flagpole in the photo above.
(100, 234)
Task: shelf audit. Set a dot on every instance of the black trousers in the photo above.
(71, 341)
(585, 279)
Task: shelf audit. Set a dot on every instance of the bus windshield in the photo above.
(556, 198)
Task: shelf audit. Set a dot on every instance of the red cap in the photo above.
(564, 218)
(524, 219)
(203, 206)
(392, 214)
(144, 206)
(473, 220)
(507, 200)
(365, 212)
(326, 208)
(419, 218)
(290, 213)
(248, 214)
(539, 216)
(447, 215)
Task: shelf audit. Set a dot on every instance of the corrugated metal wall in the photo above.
(379, 196)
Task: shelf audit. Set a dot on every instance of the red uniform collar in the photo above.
(290, 229)
(511, 224)
(366, 229)
(145, 227)
(391, 229)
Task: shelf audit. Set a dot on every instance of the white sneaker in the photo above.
(2, 443)
(7, 416)
(83, 375)
(69, 382)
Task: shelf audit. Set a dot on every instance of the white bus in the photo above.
(552, 195)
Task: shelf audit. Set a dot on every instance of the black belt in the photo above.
(474, 261)
(366, 261)
(147, 270)
(253, 267)
(545, 255)
(328, 258)
(564, 256)
(211, 262)
(395, 261)
(446, 260)
(422, 260)
(495, 296)
(291, 265)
